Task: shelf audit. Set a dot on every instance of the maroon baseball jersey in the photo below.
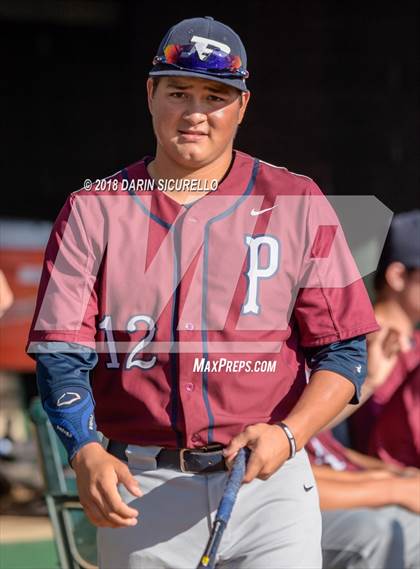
(199, 312)
(395, 437)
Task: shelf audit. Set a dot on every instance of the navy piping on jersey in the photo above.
(204, 334)
(138, 201)
(173, 356)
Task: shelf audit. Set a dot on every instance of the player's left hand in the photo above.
(269, 450)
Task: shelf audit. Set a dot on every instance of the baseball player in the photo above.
(194, 312)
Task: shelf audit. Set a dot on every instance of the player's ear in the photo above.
(245, 96)
(150, 87)
(395, 276)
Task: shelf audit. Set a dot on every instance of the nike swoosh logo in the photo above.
(259, 212)
(61, 402)
(307, 488)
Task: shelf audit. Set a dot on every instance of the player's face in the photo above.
(195, 120)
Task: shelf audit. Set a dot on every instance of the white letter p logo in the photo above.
(255, 272)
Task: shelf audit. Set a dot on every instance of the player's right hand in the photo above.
(98, 474)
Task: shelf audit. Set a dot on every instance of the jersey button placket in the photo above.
(187, 330)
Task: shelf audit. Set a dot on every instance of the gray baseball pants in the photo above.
(371, 538)
(275, 524)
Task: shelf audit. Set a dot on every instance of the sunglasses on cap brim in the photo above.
(217, 62)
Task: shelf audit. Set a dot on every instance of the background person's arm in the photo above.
(373, 463)
(341, 492)
(327, 473)
(369, 462)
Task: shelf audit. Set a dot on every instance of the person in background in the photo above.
(387, 425)
(395, 437)
(6, 301)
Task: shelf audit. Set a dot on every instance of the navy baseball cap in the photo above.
(403, 240)
(202, 47)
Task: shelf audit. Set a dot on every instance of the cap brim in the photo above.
(237, 83)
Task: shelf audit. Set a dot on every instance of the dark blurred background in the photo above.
(335, 92)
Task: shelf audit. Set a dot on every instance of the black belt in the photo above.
(198, 461)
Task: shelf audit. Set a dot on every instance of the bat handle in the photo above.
(232, 487)
(208, 558)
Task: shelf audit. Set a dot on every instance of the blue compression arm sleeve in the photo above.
(62, 372)
(348, 358)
